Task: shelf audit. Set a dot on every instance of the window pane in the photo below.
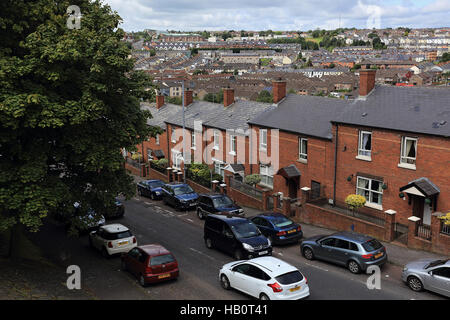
(376, 185)
(363, 183)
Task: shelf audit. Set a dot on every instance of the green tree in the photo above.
(69, 101)
(445, 57)
(264, 96)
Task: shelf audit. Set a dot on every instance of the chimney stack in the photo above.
(366, 81)
(188, 97)
(228, 96)
(159, 100)
(278, 90)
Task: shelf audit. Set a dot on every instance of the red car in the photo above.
(150, 263)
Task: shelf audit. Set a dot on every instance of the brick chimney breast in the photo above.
(366, 81)
(188, 99)
(159, 101)
(228, 96)
(279, 90)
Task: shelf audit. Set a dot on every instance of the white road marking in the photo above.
(203, 254)
(148, 203)
(190, 220)
(280, 253)
(311, 265)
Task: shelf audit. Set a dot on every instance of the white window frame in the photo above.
(364, 154)
(172, 135)
(302, 155)
(266, 173)
(177, 158)
(406, 161)
(262, 137)
(233, 144)
(193, 140)
(157, 139)
(216, 137)
(369, 202)
(219, 167)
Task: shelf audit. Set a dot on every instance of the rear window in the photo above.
(117, 235)
(290, 277)
(163, 259)
(372, 245)
(282, 222)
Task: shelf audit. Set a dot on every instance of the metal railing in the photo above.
(445, 228)
(246, 189)
(424, 231)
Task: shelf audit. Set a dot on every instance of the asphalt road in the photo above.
(182, 233)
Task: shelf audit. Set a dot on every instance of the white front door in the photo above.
(427, 213)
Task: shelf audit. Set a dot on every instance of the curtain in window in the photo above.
(410, 148)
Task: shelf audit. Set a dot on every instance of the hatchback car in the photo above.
(150, 263)
(266, 278)
(353, 250)
(428, 274)
(236, 236)
(111, 239)
(278, 228)
(216, 203)
(180, 196)
(150, 188)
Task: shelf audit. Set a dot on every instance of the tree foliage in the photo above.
(69, 101)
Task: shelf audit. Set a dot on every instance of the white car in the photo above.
(265, 278)
(112, 239)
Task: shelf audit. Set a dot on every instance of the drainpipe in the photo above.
(335, 164)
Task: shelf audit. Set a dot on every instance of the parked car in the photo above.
(353, 250)
(179, 195)
(236, 236)
(150, 263)
(428, 274)
(112, 239)
(115, 211)
(266, 278)
(278, 228)
(83, 221)
(150, 188)
(216, 203)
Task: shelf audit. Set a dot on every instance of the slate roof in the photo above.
(198, 110)
(290, 171)
(159, 116)
(424, 185)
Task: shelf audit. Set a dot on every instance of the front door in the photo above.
(292, 188)
(422, 209)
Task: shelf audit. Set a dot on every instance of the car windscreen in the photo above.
(281, 222)
(245, 230)
(222, 202)
(162, 259)
(290, 277)
(155, 184)
(182, 190)
(436, 263)
(117, 235)
(372, 245)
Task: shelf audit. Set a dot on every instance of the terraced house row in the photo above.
(390, 145)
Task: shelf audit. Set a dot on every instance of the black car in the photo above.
(180, 196)
(278, 228)
(117, 210)
(216, 203)
(236, 236)
(150, 188)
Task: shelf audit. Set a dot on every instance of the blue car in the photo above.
(217, 203)
(150, 188)
(278, 228)
(180, 196)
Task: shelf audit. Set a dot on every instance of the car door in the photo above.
(132, 260)
(240, 277)
(262, 225)
(209, 206)
(325, 248)
(228, 239)
(340, 253)
(439, 281)
(97, 238)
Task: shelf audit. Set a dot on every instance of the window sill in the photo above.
(364, 158)
(305, 161)
(232, 153)
(407, 166)
(193, 148)
(374, 206)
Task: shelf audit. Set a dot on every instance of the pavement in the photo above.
(398, 255)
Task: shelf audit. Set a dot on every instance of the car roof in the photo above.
(229, 219)
(270, 215)
(176, 184)
(153, 180)
(114, 228)
(352, 236)
(212, 195)
(154, 249)
(272, 266)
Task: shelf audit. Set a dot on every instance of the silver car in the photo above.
(428, 274)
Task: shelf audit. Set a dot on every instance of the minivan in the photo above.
(236, 236)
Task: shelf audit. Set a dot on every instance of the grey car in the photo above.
(350, 249)
(428, 274)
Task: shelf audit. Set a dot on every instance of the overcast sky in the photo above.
(302, 15)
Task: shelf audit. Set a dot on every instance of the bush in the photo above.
(252, 179)
(355, 201)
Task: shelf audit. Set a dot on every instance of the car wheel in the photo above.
(200, 214)
(353, 266)
(308, 253)
(123, 266)
(238, 255)
(415, 284)
(142, 280)
(263, 296)
(105, 253)
(208, 243)
(224, 282)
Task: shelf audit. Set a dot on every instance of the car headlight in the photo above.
(158, 192)
(405, 269)
(248, 247)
